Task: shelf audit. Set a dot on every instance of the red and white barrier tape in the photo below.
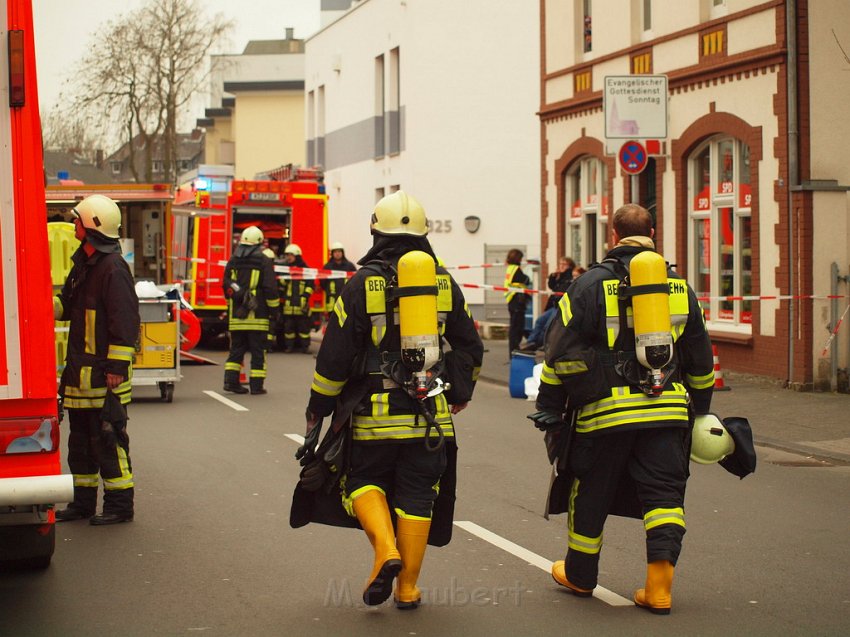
(834, 331)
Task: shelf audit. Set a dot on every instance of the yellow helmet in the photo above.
(399, 214)
(710, 442)
(99, 213)
(251, 236)
(293, 248)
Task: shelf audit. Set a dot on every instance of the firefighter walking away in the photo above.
(252, 304)
(388, 461)
(630, 356)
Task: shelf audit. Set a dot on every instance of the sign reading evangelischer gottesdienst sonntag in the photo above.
(635, 106)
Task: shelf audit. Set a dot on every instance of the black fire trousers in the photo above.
(656, 462)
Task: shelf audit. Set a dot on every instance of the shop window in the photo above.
(586, 190)
(720, 233)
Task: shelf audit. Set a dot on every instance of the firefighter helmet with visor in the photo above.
(293, 248)
(251, 236)
(99, 214)
(399, 214)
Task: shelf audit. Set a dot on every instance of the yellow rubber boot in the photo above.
(374, 516)
(559, 574)
(656, 596)
(412, 542)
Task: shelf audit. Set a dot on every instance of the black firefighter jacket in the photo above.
(99, 299)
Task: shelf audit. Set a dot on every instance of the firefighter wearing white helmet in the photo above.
(383, 378)
(99, 300)
(629, 357)
(295, 292)
(335, 278)
(251, 236)
(252, 307)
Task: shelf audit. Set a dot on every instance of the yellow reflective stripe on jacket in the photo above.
(326, 386)
(339, 311)
(566, 309)
(121, 352)
(657, 517)
(548, 375)
(379, 328)
(381, 426)
(91, 321)
(565, 368)
(475, 372)
(261, 324)
(273, 302)
(700, 382)
(627, 407)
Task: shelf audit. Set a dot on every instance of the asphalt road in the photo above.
(211, 551)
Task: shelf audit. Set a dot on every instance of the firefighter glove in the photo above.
(307, 452)
(546, 420)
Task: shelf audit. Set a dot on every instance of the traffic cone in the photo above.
(243, 378)
(719, 385)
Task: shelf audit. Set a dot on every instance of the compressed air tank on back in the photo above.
(420, 342)
(653, 339)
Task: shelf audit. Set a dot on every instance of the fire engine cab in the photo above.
(289, 206)
(30, 479)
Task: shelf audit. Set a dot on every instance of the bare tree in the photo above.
(142, 71)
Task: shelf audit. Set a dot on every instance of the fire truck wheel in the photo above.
(32, 549)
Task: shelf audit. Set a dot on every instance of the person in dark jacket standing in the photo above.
(402, 459)
(252, 302)
(333, 285)
(517, 282)
(560, 280)
(632, 425)
(99, 299)
(295, 295)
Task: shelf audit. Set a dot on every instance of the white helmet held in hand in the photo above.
(710, 441)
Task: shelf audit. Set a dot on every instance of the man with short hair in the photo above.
(627, 429)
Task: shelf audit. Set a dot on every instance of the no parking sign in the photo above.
(632, 157)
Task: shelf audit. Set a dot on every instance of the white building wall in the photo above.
(469, 92)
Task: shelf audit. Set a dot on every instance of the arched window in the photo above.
(586, 188)
(720, 231)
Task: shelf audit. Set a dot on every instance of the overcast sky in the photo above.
(64, 28)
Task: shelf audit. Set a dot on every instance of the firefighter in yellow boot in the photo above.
(628, 354)
(380, 373)
(295, 296)
(99, 299)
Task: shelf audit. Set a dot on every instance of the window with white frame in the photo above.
(586, 190)
(720, 232)
(156, 166)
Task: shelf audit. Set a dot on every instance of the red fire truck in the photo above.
(30, 466)
(289, 207)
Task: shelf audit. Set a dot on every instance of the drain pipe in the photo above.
(793, 164)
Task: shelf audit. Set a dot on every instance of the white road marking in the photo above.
(609, 597)
(226, 401)
(295, 438)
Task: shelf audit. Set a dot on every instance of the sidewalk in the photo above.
(809, 423)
